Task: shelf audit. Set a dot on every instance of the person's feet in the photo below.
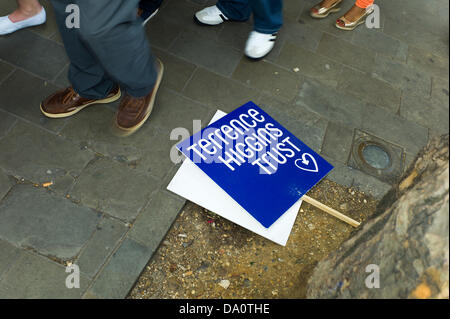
(327, 3)
(67, 102)
(20, 19)
(259, 44)
(354, 14)
(324, 8)
(133, 112)
(353, 18)
(210, 16)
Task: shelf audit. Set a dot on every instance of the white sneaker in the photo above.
(259, 44)
(7, 26)
(210, 16)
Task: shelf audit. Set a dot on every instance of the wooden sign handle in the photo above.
(330, 211)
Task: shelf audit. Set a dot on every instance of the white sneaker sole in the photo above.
(150, 17)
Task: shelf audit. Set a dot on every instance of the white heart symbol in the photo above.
(304, 161)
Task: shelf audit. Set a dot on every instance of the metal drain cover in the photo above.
(376, 157)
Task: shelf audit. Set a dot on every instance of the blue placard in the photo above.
(259, 163)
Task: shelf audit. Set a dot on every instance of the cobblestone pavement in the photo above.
(107, 209)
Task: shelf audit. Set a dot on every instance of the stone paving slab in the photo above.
(369, 89)
(416, 27)
(177, 72)
(337, 142)
(394, 129)
(402, 76)
(330, 103)
(20, 95)
(145, 151)
(310, 128)
(113, 188)
(313, 65)
(107, 236)
(439, 91)
(346, 53)
(51, 225)
(196, 47)
(33, 277)
(428, 62)
(118, 277)
(381, 43)
(5, 70)
(155, 220)
(46, 58)
(7, 121)
(5, 184)
(172, 108)
(39, 156)
(426, 112)
(304, 35)
(269, 78)
(9, 255)
(222, 93)
(323, 84)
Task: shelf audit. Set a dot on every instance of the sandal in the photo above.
(348, 25)
(319, 12)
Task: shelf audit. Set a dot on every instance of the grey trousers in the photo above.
(109, 47)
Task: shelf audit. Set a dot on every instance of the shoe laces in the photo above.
(213, 11)
(256, 36)
(70, 96)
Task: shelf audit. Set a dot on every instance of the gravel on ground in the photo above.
(206, 256)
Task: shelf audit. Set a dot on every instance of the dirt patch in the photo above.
(203, 253)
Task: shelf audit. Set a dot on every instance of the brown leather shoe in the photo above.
(67, 102)
(133, 112)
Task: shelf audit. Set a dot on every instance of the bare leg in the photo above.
(25, 9)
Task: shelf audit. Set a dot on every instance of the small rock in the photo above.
(224, 283)
(204, 265)
(186, 245)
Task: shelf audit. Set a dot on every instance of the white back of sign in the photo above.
(193, 184)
